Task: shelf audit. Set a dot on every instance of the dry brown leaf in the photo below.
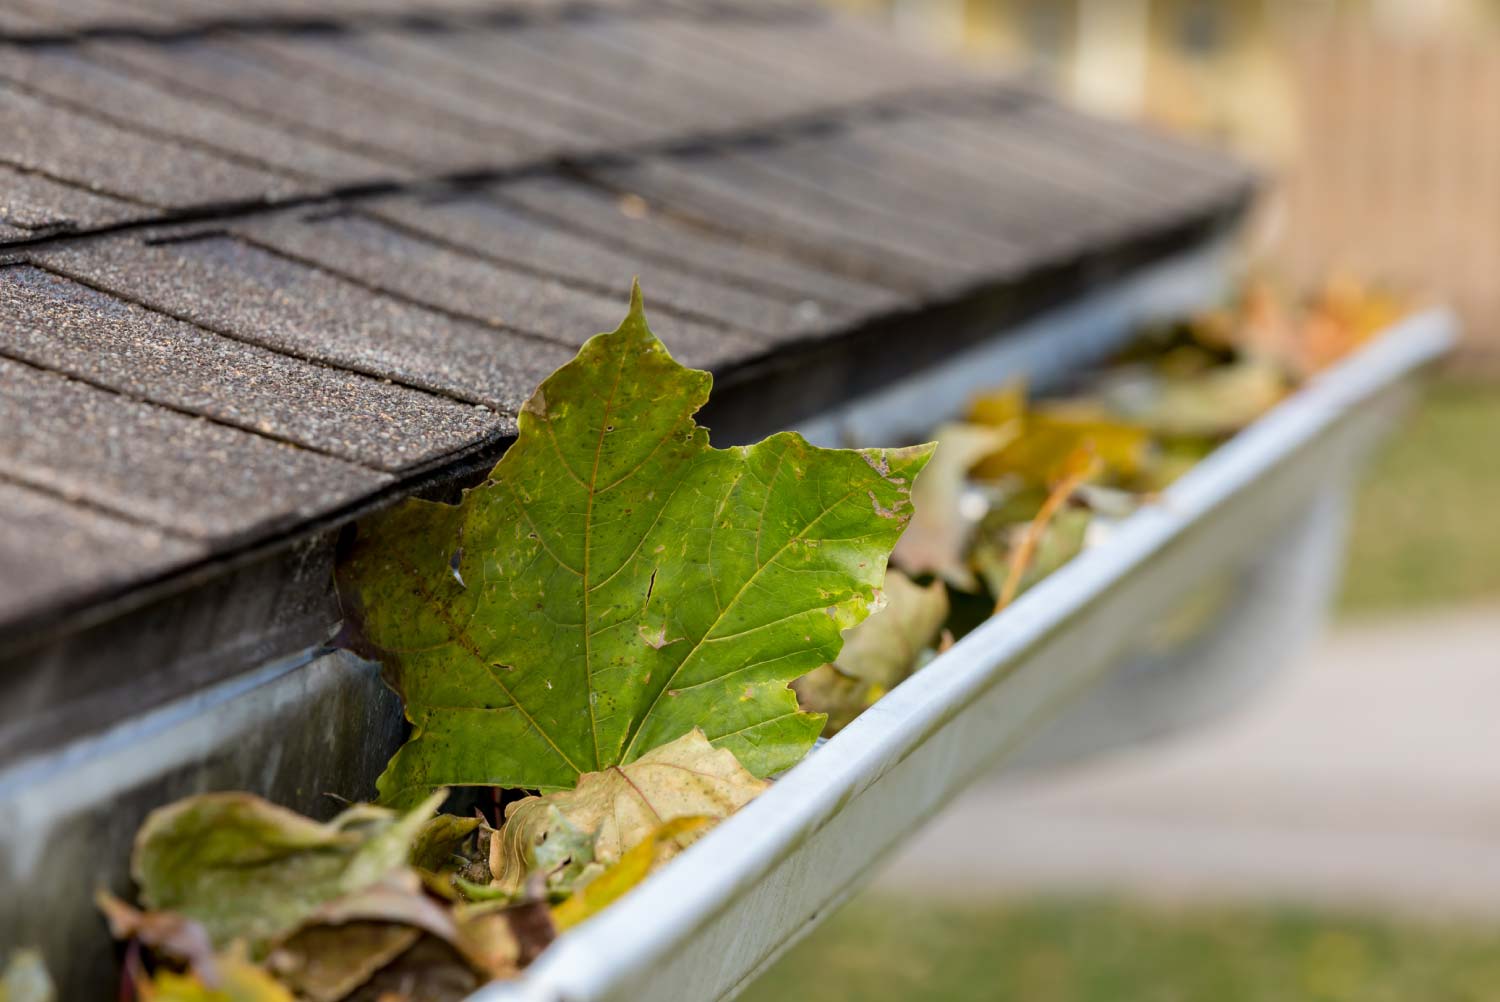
(936, 539)
(397, 898)
(1039, 456)
(623, 804)
(431, 971)
(326, 963)
(884, 648)
(500, 938)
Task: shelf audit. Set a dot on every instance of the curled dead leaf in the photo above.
(248, 870)
(500, 938)
(937, 537)
(451, 852)
(325, 963)
(620, 806)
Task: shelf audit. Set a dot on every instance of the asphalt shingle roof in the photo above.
(265, 263)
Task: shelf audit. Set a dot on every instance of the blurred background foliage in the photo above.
(1082, 950)
(1427, 521)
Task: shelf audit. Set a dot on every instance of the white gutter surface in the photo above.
(708, 923)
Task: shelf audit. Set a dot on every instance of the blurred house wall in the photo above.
(1398, 175)
(1379, 118)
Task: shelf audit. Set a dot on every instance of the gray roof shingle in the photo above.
(185, 475)
(91, 153)
(635, 226)
(56, 323)
(91, 80)
(468, 283)
(251, 294)
(264, 263)
(71, 551)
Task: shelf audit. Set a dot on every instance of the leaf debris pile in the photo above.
(1020, 486)
(612, 619)
(626, 631)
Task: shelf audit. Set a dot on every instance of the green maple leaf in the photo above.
(616, 582)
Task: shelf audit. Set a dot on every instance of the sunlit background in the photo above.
(1339, 838)
(1375, 119)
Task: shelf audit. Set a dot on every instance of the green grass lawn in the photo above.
(885, 950)
(1426, 533)
(1427, 520)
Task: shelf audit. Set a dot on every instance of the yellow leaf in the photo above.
(629, 870)
(1001, 408)
(1080, 466)
(238, 980)
(1041, 455)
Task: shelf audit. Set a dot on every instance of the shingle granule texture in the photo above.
(178, 473)
(55, 323)
(265, 264)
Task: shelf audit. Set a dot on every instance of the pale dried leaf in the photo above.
(621, 806)
(878, 653)
(937, 538)
(638, 862)
(25, 978)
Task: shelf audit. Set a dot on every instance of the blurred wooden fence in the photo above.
(1398, 176)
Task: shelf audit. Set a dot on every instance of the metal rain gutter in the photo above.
(710, 922)
(323, 721)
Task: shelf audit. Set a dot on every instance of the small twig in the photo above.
(1025, 552)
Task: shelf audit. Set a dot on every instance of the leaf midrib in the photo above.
(588, 546)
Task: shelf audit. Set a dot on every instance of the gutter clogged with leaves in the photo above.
(607, 647)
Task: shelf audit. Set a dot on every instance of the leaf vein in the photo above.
(639, 724)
